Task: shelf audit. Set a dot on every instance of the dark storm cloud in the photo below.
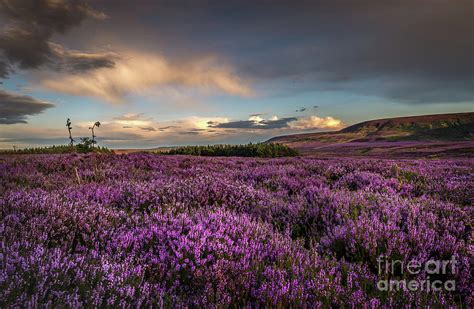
(240, 124)
(166, 128)
(25, 38)
(28, 48)
(188, 133)
(277, 124)
(250, 124)
(81, 64)
(212, 123)
(49, 15)
(192, 132)
(408, 50)
(15, 108)
(4, 69)
(77, 62)
(415, 51)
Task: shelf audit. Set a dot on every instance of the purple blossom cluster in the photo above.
(146, 230)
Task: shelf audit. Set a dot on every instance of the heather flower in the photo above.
(146, 230)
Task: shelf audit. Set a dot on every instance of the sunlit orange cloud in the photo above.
(136, 73)
(315, 122)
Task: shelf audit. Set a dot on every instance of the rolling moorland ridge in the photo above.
(417, 136)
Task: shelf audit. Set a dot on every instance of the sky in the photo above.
(165, 73)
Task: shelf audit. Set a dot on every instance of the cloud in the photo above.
(133, 120)
(74, 61)
(4, 69)
(131, 116)
(145, 128)
(53, 15)
(315, 122)
(406, 50)
(15, 108)
(25, 43)
(25, 39)
(189, 133)
(413, 51)
(255, 122)
(166, 128)
(292, 123)
(137, 72)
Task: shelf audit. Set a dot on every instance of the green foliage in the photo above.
(41, 150)
(270, 150)
(80, 148)
(86, 145)
(418, 182)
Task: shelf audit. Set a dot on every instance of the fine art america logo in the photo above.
(433, 268)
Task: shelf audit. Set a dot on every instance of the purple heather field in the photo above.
(175, 231)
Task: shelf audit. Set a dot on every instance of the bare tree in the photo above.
(96, 124)
(69, 128)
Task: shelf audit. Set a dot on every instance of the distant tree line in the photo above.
(79, 148)
(263, 150)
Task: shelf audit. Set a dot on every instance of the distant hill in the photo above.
(404, 133)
